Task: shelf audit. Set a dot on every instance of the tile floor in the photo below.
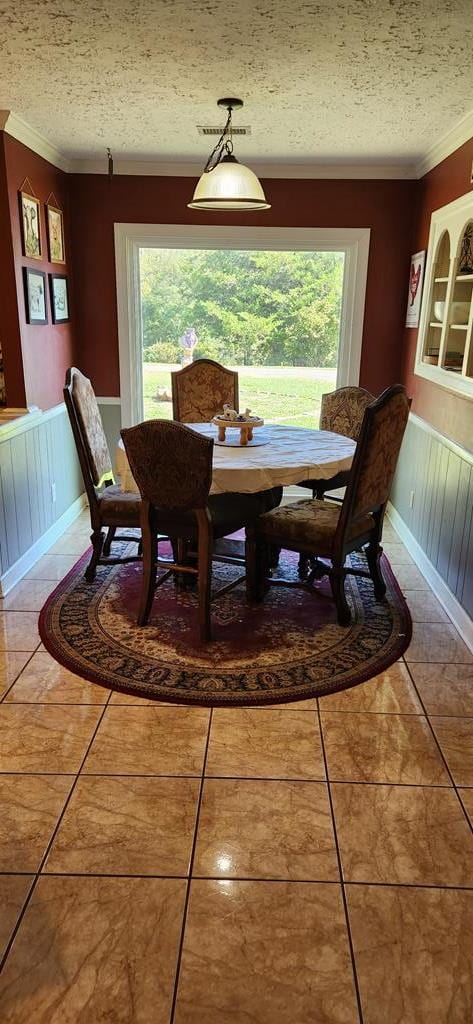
(306, 864)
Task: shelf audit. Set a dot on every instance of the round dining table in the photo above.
(278, 457)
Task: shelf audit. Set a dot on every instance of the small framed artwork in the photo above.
(416, 282)
(55, 222)
(35, 296)
(30, 209)
(59, 298)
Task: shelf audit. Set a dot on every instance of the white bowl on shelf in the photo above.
(460, 312)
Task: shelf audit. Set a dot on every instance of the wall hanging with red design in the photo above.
(416, 281)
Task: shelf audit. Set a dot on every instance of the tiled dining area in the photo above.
(316, 855)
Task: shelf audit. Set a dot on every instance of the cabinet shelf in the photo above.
(450, 293)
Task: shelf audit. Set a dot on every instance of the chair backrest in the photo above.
(171, 464)
(342, 411)
(376, 455)
(200, 390)
(87, 427)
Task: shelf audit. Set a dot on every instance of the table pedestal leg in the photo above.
(243, 435)
(221, 432)
(250, 433)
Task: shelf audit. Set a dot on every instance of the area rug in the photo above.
(288, 648)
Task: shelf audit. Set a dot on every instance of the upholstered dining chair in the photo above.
(329, 531)
(172, 466)
(110, 507)
(201, 389)
(341, 412)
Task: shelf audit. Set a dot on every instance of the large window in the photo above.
(274, 316)
(285, 306)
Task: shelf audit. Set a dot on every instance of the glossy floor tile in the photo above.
(14, 890)
(414, 954)
(45, 681)
(444, 689)
(42, 738)
(436, 641)
(403, 834)
(30, 808)
(27, 596)
(365, 747)
(260, 743)
(115, 808)
(391, 692)
(123, 825)
(466, 796)
(409, 577)
(265, 952)
(455, 736)
(105, 950)
(149, 741)
(51, 567)
(424, 607)
(265, 829)
(11, 664)
(18, 631)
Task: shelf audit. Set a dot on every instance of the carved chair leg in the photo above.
(373, 553)
(337, 583)
(205, 584)
(108, 541)
(148, 585)
(97, 539)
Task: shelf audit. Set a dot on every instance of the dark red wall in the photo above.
(10, 336)
(448, 412)
(384, 206)
(46, 351)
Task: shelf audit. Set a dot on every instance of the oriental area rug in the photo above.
(288, 648)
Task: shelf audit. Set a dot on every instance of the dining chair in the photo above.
(110, 507)
(341, 412)
(330, 531)
(201, 389)
(172, 466)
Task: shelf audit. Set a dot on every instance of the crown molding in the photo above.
(455, 137)
(403, 170)
(158, 168)
(20, 130)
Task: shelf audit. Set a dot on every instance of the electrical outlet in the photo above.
(53, 493)
(411, 499)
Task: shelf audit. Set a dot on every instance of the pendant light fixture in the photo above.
(225, 184)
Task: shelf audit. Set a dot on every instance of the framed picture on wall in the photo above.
(35, 296)
(55, 223)
(59, 298)
(30, 210)
(416, 282)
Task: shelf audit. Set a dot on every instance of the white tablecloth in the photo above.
(291, 455)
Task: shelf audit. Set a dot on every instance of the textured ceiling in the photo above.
(354, 80)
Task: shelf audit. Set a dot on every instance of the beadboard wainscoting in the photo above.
(432, 509)
(41, 489)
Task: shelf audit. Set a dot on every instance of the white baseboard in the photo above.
(16, 572)
(461, 620)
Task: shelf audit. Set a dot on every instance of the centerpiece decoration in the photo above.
(243, 421)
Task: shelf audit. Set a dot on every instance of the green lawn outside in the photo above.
(280, 394)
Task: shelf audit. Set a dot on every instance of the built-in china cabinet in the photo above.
(445, 343)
